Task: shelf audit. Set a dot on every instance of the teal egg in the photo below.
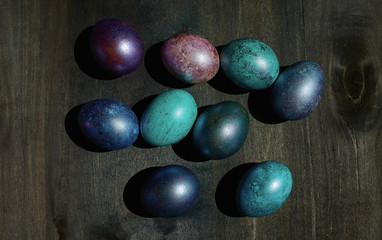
(168, 118)
(221, 130)
(263, 189)
(249, 63)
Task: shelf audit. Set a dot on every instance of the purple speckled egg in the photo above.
(190, 58)
(116, 46)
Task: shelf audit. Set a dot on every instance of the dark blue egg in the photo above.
(170, 191)
(298, 90)
(263, 189)
(221, 130)
(108, 123)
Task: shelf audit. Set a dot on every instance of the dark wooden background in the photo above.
(53, 185)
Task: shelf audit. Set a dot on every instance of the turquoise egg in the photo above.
(168, 118)
(263, 189)
(249, 63)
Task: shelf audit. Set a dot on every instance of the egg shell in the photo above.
(170, 191)
(190, 58)
(263, 189)
(298, 90)
(168, 118)
(249, 63)
(108, 123)
(221, 130)
(116, 46)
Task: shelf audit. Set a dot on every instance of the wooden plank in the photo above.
(54, 186)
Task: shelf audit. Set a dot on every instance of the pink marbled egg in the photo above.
(190, 58)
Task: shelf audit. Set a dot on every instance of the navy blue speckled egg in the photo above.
(298, 90)
(221, 130)
(263, 189)
(109, 124)
(170, 191)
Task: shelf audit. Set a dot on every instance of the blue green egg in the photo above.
(263, 189)
(249, 63)
(221, 130)
(168, 118)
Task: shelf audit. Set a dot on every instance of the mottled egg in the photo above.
(108, 123)
(221, 130)
(263, 189)
(168, 118)
(190, 58)
(249, 63)
(170, 191)
(116, 46)
(298, 90)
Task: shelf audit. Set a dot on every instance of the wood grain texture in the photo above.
(53, 186)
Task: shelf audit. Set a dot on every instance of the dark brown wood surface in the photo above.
(53, 185)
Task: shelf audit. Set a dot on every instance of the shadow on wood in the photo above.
(157, 70)
(111, 228)
(185, 148)
(74, 131)
(221, 83)
(260, 105)
(138, 109)
(84, 57)
(225, 194)
(132, 192)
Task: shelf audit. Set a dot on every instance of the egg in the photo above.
(109, 124)
(263, 189)
(170, 191)
(221, 130)
(249, 63)
(298, 90)
(190, 58)
(116, 46)
(168, 118)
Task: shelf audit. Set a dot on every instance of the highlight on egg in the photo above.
(263, 189)
(170, 191)
(249, 63)
(109, 124)
(221, 130)
(298, 90)
(116, 46)
(168, 118)
(190, 58)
